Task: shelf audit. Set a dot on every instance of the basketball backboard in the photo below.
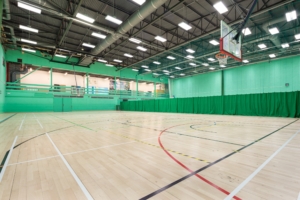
(228, 46)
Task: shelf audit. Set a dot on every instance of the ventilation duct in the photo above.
(134, 19)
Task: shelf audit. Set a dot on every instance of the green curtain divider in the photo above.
(284, 104)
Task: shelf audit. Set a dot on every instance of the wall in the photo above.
(257, 78)
(2, 79)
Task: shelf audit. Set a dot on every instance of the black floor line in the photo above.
(209, 165)
(7, 118)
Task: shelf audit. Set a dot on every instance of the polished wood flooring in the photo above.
(139, 155)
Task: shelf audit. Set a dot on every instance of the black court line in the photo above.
(200, 129)
(209, 165)
(7, 118)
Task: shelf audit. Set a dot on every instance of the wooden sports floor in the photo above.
(139, 155)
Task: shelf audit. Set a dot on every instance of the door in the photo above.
(62, 104)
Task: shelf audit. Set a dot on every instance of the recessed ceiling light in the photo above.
(190, 57)
(28, 29)
(245, 61)
(29, 50)
(214, 42)
(262, 46)
(141, 48)
(272, 55)
(28, 41)
(88, 45)
(291, 16)
(190, 50)
(223, 66)
(211, 59)
(113, 19)
(128, 55)
(297, 36)
(109, 65)
(140, 2)
(273, 30)
(101, 60)
(30, 8)
(144, 66)
(171, 58)
(85, 18)
(157, 63)
(119, 61)
(193, 64)
(220, 7)
(135, 40)
(285, 45)
(205, 64)
(182, 74)
(99, 35)
(246, 31)
(185, 26)
(177, 68)
(211, 68)
(135, 70)
(61, 56)
(159, 38)
(148, 70)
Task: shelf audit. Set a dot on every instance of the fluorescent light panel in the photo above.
(141, 48)
(156, 74)
(88, 45)
(214, 42)
(190, 50)
(171, 58)
(272, 55)
(291, 16)
(211, 68)
(28, 41)
(157, 63)
(85, 18)
(172, 76)
(245, 61)
(273, 30)
(177, 68)
(128, 55)
(136, 70)
(262, 46)
(28, 29)
(148, 70)
(185, 26)
(140, 2)
(61, 56)
(135, 40)
(211, 59)
(246, 31)
(101, 60)
(205, 64)
(297, 36)
(109, 65)
(99, 35)
(223, 66)
(113, 19)
(182, 74)
(30, 8)
(220, 7)
(159, 38)
(192, 64)
(285, 45)
(166, 71)
(144, 66)
(190, 57)
(29, 50)
(119, 61)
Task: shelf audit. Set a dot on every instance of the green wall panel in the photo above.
(28, 104)
(2, 79)
(284, 104)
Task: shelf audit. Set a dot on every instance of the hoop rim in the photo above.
(221, 56)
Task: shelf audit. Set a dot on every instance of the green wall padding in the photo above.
(284, 104)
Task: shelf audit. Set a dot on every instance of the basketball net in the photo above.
(222, 58)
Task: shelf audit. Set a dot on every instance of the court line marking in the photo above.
(33, 160)
(7, 159)
(22, 122)
(211, 164)
(7, 118)
(38, 120)
(83, 188)
(249, 178)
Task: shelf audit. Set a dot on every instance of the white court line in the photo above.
(247, 180)
(83, 188)
(7, 159)
(22, 122)
(38, 120)
(33, 160)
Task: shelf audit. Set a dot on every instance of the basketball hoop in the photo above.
(222, 58)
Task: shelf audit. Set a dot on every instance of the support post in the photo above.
(51, 79)
(137, 85)
(27, 74)
(222, 82)
(87, 83)
(154, 89)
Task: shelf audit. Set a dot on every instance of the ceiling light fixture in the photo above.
(29, 50)
(177, 68)
(156, 62)
(140, 2)
(262, 46)
(30, 8)
(205, 64)
(182, 74)
(113, 19)
(214, 42)
(192, 64)
(61, 56)
(136, 70)
(211, 68)
(128, 55)
(109, 65)
(166, 71)
(141, 48)
(148, 70)
(185, 26)
(246, 31)
(190, 50)
(28, 41)
(88, 45)
(171, 58)
(135, 40)
(211, 59)
(159, 38)
(297, 36)
(119, 61)
(223, 66)
(28, 29)
(272, 55)
(285, 45)
(99, 35)
(85, 18)
(245, 61)
(172, 76)
(273, 30)
(144, 66)
(291, 16)
(220, 7)
(190, 57)
(101, 60)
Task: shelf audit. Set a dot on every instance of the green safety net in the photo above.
(284, 104)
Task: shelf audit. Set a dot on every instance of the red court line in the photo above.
(188, 169)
